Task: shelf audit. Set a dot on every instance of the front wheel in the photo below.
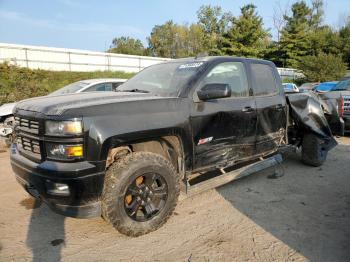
(313, 153)
(140, 193)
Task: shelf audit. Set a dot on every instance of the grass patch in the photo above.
(17, 83)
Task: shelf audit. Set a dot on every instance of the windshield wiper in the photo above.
(134, 90)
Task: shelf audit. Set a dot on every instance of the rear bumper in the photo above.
(84, 180)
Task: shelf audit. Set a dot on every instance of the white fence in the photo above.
(62, 59)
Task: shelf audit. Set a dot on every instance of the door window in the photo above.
(231, 73)
(100, 87)
(116, 85)
(264, 82)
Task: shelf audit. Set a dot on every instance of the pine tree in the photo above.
(294, 42)
(323, 67)
(246, 37)
(344, 34)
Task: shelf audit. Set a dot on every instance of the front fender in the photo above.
(135, 123)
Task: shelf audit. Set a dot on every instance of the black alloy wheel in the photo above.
(146, 197)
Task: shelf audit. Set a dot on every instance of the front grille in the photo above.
(27, 125)
(28, 144)
(27, 137)
(347, 104)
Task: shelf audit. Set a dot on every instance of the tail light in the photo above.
(341, 107)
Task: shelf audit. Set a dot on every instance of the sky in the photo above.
(91, 25)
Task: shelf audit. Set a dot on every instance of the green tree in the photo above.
(316, 14)
(274, 53)
(161, 41)
(246, 37)
(323, 67)
(294, 41)
(324, 40)
(196, 40)
(344, 35)
(127, 45)
(174, 41)
(214, 23)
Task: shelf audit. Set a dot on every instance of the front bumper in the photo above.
(84, 180)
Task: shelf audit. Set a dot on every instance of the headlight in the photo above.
(64, 152)
(57, 128)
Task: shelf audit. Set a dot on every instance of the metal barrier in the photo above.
(62, 59)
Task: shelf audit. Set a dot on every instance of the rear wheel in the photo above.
(313, 153)
(140, 193)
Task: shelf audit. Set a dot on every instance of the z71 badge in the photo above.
(205, 140)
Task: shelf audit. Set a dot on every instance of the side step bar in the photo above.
(233, 175)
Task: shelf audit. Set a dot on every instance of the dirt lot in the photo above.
(304, 215)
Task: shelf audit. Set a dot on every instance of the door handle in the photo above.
(247, 109)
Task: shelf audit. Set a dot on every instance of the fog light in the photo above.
(64, 152)
(58, 189)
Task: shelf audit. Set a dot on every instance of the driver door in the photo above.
(224, 129)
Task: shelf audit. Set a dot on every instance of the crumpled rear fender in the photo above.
(307, 112)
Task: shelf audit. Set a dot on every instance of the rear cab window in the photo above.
(100, 87)
(264, 81)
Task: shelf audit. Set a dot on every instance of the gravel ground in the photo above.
(302, 216)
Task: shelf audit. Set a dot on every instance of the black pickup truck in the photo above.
(126, 155)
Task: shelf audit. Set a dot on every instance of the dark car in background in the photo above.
(337, 103)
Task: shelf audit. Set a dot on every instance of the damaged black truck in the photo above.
(126, 155)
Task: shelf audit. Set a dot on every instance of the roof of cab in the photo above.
(211, 58)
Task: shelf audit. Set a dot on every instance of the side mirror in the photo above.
(214, 91)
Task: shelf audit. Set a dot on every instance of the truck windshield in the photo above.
(71, 88)
(166, 79)
(343, 85)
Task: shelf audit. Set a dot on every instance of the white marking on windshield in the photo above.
(191, 65)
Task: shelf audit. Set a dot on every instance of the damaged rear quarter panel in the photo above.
(307, 112)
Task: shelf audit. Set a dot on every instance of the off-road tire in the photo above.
(120, 175)
(313, 153)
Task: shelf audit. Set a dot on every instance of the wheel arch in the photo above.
(171, 146)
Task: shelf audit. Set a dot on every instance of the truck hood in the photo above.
(6, 109)
(58, 105)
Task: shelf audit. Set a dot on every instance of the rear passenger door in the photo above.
(224, 129)
(270, 105)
